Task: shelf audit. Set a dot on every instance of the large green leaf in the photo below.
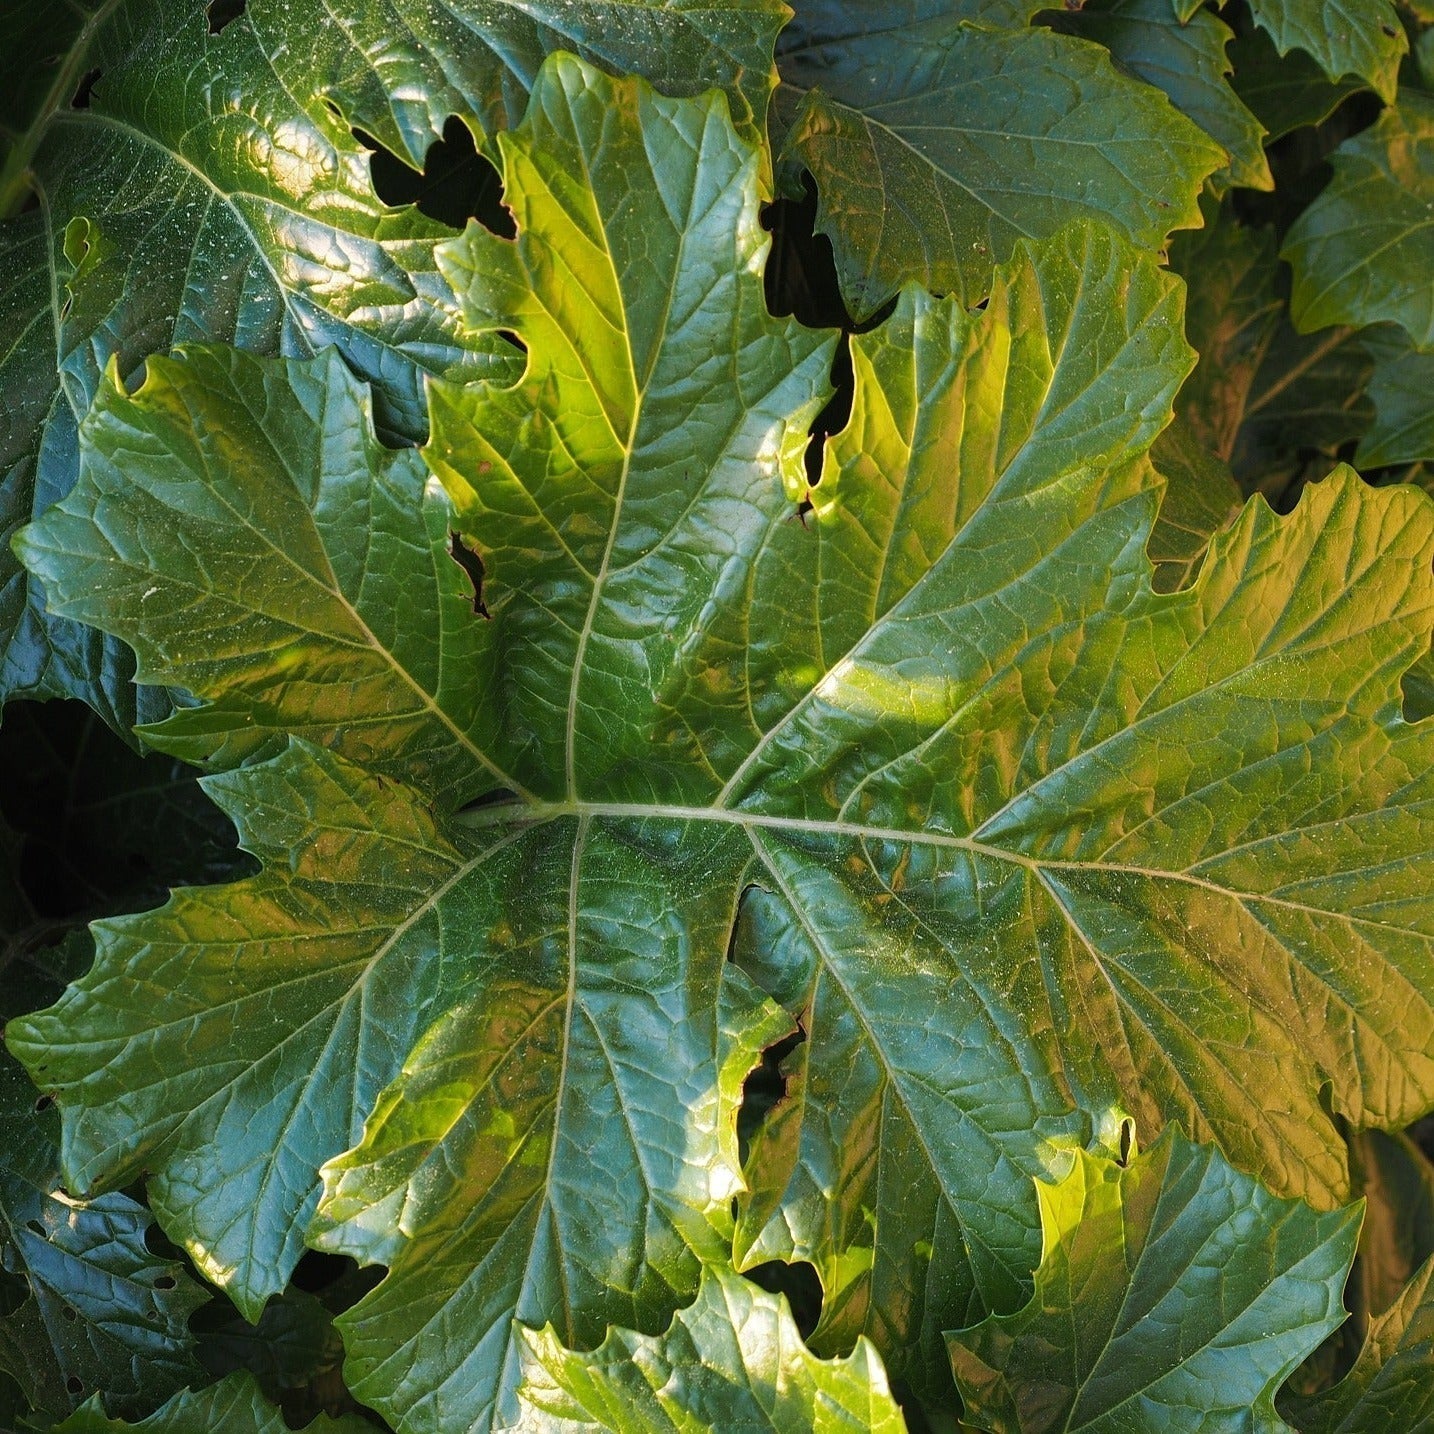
(1346, 37)
(195, 196)
(100, 1311)
(936, 146)
(233, 1406)
(1023, 845)
(212, 189)
(281, 461)
(731, 1360)
(1173, 1293)
(1362, 253)
(1188, 62)
(1392, 1383)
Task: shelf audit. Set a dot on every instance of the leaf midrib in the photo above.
(531, 814)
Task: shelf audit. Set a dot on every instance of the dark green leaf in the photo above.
(1346, 37)
(936, 146)
(1188, 62)
(1173, 1293)
(1261, 393)
(1362, 253)
(1285, 92)
(1391, 1386)
(1396, 1181)
(1400, 388)
(40, 655)
(731, 1360)
(100, 1313)
(1201, 498)
(103, 828)
(43, 51)
(233, 1406)
(294, 1352)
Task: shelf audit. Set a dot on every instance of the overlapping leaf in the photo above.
(1396, 1181)
(1392, 1383)
(1024, 845)
(1186, 60)
(233, 1406)
(402, 69)
(936, 145)
(1402, 430)
(1201, 497)
(42, 656)
(1263, 396)
(1284, 92)
(731, 1360)
(193, 197)
(1191, 1294)
(1346, 37)
(1362, 253)
(212, 189)
(100, 1311)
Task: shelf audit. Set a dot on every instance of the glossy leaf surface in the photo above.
(399, 71)
(211, 188)
(935, 146)
(733, 1359)
(1191, 1292)
(1025, 846)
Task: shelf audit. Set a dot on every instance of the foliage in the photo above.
(699, 802)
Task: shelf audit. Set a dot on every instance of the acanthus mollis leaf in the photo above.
(95, 1310)
(1402, 430)
(1191, 1292)
(1346, 37)
(1362, 253)
(232, 1406)
(1392, 1383)
(1201, 498)
(1284, 92)
(733, 1359)
(1025, 847)
(400, 71)
(210, 187)
(1187, 60)
(936, 145)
